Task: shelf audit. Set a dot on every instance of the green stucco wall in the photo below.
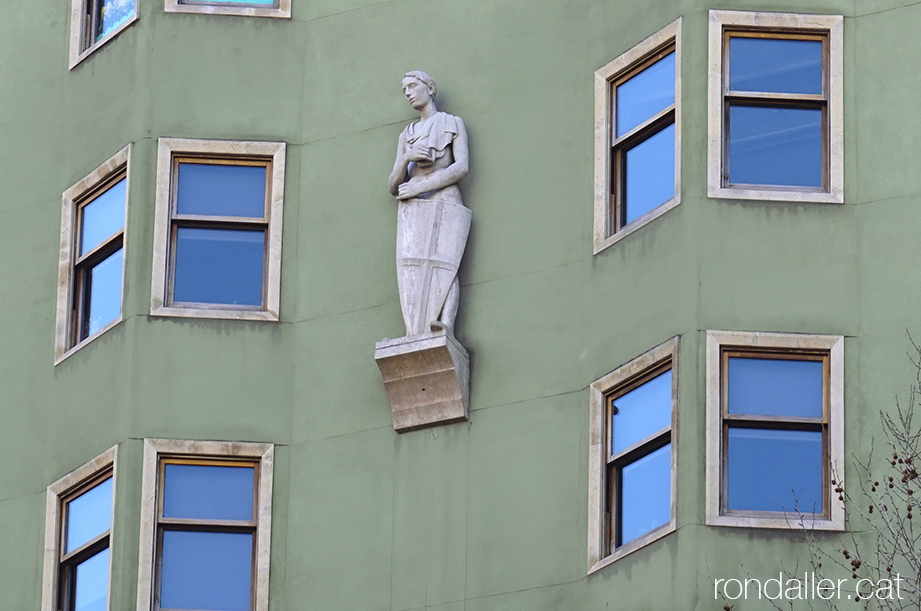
(485, 515)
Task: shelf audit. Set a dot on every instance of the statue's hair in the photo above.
(424, 78)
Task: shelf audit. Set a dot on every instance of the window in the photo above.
(775, 96)
(78, 533)
(247, 8)
(632, 455)
(208, 507)
(217, 238)
(637, 136)
(91, 264)
(774, 429)
(95, 22)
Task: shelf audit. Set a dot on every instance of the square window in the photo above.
(775, 98)
(78, 537)
(774, 436)
(95, 22)
(637, 136)
(91, 265)
(210, 504)
(245, 8)
(217, 239)
(632, 456)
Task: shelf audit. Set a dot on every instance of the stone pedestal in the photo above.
(426, 377)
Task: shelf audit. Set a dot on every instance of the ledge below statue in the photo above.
(426, 377)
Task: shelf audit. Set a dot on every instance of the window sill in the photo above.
(219, 313)
(632, 546)
(786, 522)
(283, 11)
(76, 57)
(61, 357)
(777, 195)
(602, 243)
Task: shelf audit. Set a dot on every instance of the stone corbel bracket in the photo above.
(427, 379)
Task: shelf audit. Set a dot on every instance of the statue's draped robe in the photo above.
(432, 232)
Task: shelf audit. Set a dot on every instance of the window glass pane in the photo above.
(89, 515)
(774, 470)
(775, 146)
(646, 494)
(646, 94)
(642, 411)
(206, 570)
(102, 217)
(650, 173)
(775, 65)
(207, 492)
(233, 2)
(219, 266)
(775, 387)
(105, 286)
(110, 14)
(221, 190)
(92, 587)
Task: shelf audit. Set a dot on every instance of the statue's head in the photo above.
(411, 82)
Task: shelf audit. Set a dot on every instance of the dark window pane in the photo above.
(208, 492)
(642, 411)
(775, 146)
(110, 14)
(775, 65)
(775, 387)
(221, 190)
(646, 94)
(105, 286)
(102, 217)
(219, 266)
(774, 470)
(646, 494)
(206, 570)
(650, 173)
(93, 583)
(89, 515)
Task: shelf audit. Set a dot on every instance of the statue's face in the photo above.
(416, 92)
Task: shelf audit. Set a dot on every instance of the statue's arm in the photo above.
(445, 177)
(400, 166)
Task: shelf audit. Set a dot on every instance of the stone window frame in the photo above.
(80, 479)
(604, 233)
(599, 554)
(833, 346)
(203, 7)
(261, 454)
(832, 26)
(76, 55)
(272, 153)
(109, 171)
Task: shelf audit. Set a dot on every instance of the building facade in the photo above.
(712, 204)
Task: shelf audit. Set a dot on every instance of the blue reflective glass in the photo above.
(649, 170)
(646, 94)
(207, 571)
(222, 266)
(646, 494)
(774, 470)
(775, 146)
(102, 217)
(92, 583)
(641, 412)
(221, 190)
(105, 286)
(111, 14)
(89, 515)
(208, 492)
(775, 387)
(775, 65)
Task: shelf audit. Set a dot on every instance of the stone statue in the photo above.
(432, 221)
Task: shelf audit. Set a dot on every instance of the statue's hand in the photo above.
(419, 152)
(408, 190)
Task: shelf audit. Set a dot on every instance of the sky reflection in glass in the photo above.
(774, 470)
(221, 190)
(642, 412)
(92, 583)
(650, 174)
(208, 492)
(105, 284)
(646, 94)
(775, 387)
(775, 65)
(775, 146)
(646, 501)
(223, 266)
(89, 515)
(206, 571)
(102, 217)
